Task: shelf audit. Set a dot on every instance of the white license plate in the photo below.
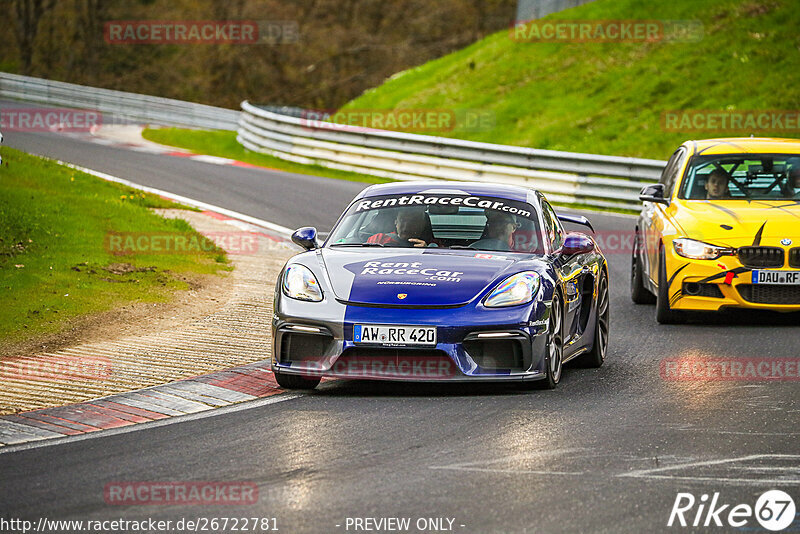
(776, 277)
(394, 335)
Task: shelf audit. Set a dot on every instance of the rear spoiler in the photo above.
(575, 219)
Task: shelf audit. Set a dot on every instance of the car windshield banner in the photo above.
(443, 203)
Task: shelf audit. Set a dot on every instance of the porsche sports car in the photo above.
(721, 229)
(442, 282)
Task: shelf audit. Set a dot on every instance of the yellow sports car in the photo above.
(721, 229)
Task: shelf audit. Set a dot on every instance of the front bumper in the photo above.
(711, 285)
(513, 351)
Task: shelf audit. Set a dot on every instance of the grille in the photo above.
(794, 257)
(702, 290)
(757, 257)
(769, 294)
(357, 353)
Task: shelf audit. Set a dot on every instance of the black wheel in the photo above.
(296, 381)
(664, 313)
(639, 293)
(596, 356)
(554, 350)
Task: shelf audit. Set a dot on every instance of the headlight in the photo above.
(514, 290)
(301, 284)
(697, 250)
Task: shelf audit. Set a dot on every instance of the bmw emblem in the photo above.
(401, 296)
(786, 242)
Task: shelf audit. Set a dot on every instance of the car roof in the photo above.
(509, 192)
(744, 145)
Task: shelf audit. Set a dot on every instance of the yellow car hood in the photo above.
(764, 222)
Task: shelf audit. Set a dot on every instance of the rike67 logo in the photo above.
(774, 510)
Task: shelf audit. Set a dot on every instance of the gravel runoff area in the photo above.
(205, 333)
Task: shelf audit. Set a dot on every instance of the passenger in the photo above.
(717, 185)
(498, 234)
(410, 228)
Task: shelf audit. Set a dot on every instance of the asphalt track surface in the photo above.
(607, 451)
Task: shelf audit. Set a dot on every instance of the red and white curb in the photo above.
(215, 160)
(129, 137)
(190, 396)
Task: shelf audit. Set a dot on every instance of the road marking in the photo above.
(480, 466)
(514, 471)
(736, 471)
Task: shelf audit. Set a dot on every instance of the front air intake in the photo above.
(496, 354)
(770, 294)
(299, 347)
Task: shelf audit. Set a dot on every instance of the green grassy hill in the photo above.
(608, 98)
(57, 261)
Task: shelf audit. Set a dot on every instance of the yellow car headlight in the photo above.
(697, 250)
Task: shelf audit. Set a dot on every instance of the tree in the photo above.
(27, 14)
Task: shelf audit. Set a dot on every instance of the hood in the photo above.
(738, 223)
(410, 277)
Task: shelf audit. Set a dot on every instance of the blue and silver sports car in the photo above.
(442, 281)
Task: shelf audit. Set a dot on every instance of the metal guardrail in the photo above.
(568, 177)
(118, 105)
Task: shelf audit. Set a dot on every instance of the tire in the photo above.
(296, 381)
(595, 357)
(554, 355)
(665, 314)
(639, 293)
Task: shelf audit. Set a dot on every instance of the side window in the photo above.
(555, 234)
(670, 174)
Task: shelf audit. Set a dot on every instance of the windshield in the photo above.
(440, 220)
(742, 177)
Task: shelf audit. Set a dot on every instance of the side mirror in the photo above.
(577, 243)
(306, 237)
(653, 193)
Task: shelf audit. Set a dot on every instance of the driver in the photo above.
(410, 225)
(717, 185)
(499, 229)
(793, 189)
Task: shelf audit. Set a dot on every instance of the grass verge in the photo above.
(54, 260)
